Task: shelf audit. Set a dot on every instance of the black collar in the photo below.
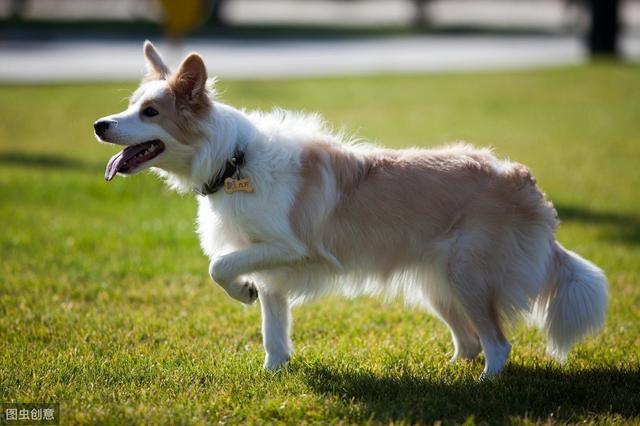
(231, 167)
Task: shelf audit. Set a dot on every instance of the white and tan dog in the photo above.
(289, 211)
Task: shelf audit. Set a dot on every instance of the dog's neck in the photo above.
(231, 169)
(224, 154)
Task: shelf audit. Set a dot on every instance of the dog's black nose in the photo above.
(101, 126)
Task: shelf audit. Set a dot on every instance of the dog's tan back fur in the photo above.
(411, 199)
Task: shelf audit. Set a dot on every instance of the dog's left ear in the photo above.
(156, 69)
(191, 78)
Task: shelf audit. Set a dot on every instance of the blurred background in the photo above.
(100, 39)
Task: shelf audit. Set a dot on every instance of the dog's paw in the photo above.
(468, 353)
(274, 363)
(487, 376)
(247, 293)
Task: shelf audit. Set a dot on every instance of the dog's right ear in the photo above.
(156, 69)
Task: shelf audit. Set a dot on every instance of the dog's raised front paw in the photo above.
(247, 293)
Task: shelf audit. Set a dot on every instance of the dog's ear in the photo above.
(191, 79)
(156, 69)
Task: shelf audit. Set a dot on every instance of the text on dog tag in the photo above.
(235, 185)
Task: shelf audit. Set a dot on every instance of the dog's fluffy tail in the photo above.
(573, 302)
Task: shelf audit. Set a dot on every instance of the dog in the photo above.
(290, 211)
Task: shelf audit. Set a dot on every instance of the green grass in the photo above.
(106, 305)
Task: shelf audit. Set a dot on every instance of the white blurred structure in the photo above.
(29, 62)
(82, 9)
(526, 14)
(78, 59)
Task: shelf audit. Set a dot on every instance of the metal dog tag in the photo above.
(232, 185)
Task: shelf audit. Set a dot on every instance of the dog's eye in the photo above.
(150, 112)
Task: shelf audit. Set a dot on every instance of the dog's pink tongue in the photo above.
(113, 165)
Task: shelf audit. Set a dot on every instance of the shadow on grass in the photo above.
(519, 392)
(624, 228)
(41, 160)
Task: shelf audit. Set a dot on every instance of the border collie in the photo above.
(289, 211)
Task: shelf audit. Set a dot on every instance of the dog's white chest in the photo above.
(240, 219)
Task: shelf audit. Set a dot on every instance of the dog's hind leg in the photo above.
(473, 289)
(480, 310)
(276, 329)
(465, 340)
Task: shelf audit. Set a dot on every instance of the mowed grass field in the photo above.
(106, 305)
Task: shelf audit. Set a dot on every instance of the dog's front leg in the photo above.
(227, 270)
(243, 291)
(276, 329)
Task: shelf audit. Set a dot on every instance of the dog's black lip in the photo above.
(121, 142)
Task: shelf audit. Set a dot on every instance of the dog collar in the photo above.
(231, 168)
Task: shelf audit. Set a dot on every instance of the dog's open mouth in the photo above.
(132, 157)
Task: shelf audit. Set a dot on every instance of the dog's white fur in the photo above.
(453, 229)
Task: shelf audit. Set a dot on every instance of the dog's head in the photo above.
(162, 125)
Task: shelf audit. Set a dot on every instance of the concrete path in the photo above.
(54, 61)
(61, 59)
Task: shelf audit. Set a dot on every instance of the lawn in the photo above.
(106, 305)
